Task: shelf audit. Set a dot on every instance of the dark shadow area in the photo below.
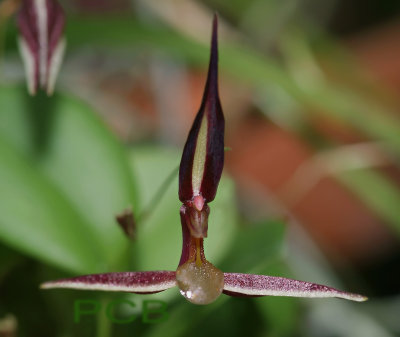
(358, 15)
(41, 110)
(377, 277)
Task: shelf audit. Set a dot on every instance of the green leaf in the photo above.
(71, 146)
(281, 313)
(378, 193)
(185, 317)
(258, 249)
(36, 219)
(255, 247)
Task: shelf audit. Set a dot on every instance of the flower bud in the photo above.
(203, 156)
(41, 44)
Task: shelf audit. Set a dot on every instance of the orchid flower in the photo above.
(198, 280)
(41, 42)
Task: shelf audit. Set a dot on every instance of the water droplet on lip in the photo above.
(200, 283)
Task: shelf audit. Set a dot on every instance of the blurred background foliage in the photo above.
(311, 189)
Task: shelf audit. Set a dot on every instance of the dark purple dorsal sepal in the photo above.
(213, 161)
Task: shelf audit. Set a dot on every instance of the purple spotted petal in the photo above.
(260, 285)
(144, 282)
(203, 156)
(41, 25)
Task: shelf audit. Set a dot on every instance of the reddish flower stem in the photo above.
(192, 248)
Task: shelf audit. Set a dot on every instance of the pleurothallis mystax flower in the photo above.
(200, 281)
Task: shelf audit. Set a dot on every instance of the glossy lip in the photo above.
(199, 175)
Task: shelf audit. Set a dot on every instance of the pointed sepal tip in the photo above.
(203, 155)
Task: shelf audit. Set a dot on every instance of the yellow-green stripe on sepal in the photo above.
(203, 155)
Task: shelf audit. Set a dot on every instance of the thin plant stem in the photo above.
(155, 200)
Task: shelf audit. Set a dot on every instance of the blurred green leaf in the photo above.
(36, 219)
(342, 318)
(159, 236)
(377, 191)
(369, 118)
(255, 247)
(258, 249)
(281, 313)
(128, 32)
(182, 319)
(65, 140)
